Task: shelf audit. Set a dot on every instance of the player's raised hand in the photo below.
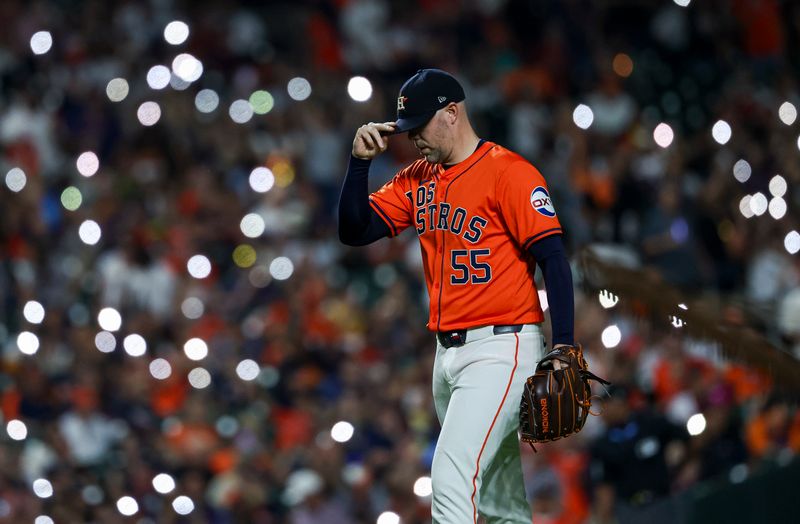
(369, 142)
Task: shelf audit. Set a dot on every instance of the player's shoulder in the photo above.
(506, 161)
(417, 171)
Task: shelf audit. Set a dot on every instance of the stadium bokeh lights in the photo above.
(134, 345)
(240, 111)
(261, 179)
(195, 349)
(199, 266)
(117, 89)
(583, 116)
(192, 308)
(158, 77)
(299, 89)
(160, 369)
(721, 132)
(696, 424)
(611, 336)
(247, 369)
(148, 113)
(388, 517)
(105, 342)
(183, 505)
(663, 135)
(792, 242)
(90, 232)
(16, 179)
(41, 42)
(163, 483)
(777, 186)
(87, 163)
(359, 89)
(206, 100)
(127, 506)
(43, 488)
(199, 378)
(16, 429)
(423, 487)
(28, 343)
(109, 319)
(742, 170)
(342, 431)
(176, 32)
(33, 312)
(787, 113)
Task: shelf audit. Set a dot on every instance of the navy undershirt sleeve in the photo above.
(359, 224)
(550, 256)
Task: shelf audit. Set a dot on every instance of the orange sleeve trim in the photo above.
(384, 216)
(538, 236)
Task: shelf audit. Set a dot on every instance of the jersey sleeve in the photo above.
(525, 204)
(392, 203)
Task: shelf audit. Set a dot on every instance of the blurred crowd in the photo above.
(337, 425)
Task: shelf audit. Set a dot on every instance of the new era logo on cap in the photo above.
(422, 95)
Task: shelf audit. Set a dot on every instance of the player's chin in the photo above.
(430, 156)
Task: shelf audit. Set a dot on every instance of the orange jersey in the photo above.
(475, 222)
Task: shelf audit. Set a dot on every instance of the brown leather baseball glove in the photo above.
(556, 402)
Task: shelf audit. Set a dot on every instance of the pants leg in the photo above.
(503, 498)
(476, 465)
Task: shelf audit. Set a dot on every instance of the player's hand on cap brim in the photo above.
(394, 129)
(387, 128)
(369, 141)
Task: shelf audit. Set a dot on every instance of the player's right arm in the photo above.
(364, 219)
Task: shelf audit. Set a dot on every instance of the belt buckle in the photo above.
(457, 338)
(453, 338)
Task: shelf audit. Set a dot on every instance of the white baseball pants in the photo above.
(476, 390)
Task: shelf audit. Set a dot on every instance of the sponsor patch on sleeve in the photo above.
(540, 201)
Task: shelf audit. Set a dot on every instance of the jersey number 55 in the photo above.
(468, 266)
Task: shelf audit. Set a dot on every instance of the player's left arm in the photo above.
(552, 259)
(530, 216)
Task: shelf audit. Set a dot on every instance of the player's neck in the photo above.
(464, 147)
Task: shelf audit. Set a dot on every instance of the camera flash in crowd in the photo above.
(176, 32)
(663, 135)
(127, 506)
(721, 132)
(696, 424)
(388, 517)
(583, 116)
(183, 505)
(43, 488)
(342, 431)
(41, 42)
(611, 336)
(359, 89)
(423, 487)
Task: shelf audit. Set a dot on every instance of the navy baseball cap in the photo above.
(422, 95)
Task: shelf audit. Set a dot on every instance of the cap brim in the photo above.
(413, 122)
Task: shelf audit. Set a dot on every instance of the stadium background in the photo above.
(185, 340)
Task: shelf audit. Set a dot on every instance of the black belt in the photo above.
(458, 337)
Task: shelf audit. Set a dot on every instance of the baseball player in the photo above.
(484, 219)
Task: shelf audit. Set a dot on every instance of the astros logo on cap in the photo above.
(540, 200)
